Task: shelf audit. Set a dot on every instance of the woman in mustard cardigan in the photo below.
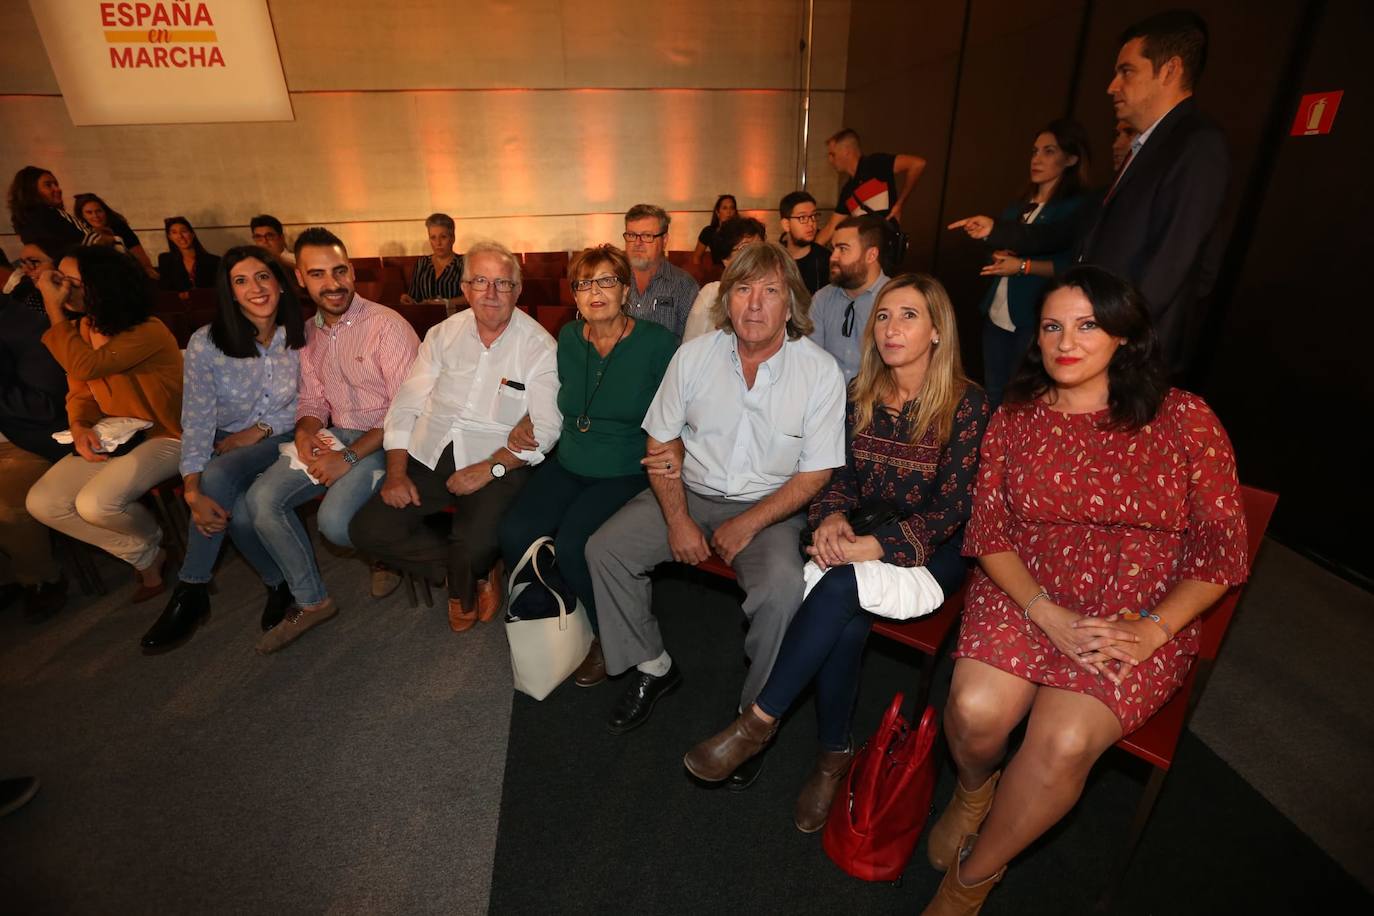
(120, 362)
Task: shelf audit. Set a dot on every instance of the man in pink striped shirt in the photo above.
(357, 353)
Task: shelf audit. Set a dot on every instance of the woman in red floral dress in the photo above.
(1103, 495)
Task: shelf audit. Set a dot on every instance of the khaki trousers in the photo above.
(25, 545)
(97, 501)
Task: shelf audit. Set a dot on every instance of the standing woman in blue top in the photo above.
(238, 407)
(1058, 175)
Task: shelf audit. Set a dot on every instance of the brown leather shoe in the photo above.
(813, 804)
(714, 759)
(460, 620)
(592, 671)
(491, 593)
(384, 581)
(964, 816)
(295, 625)
(148, 592)
(954, 897)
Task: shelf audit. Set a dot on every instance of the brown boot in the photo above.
(963, 816)
(813, 805)
(460, 619)
(592, 671)
(491, 592)
(295, 625)
(714, 759)
(954, 897)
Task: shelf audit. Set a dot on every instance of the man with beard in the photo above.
(840, 310)
(661, 292)
(357, 354)
(800, 220)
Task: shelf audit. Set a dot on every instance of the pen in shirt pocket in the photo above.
(510, 383)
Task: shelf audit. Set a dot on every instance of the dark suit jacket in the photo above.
(1156, 227)
(172, 272)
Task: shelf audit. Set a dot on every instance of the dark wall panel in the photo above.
(1291, 374)
(899, 96)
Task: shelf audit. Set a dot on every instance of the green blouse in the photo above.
(613, 442)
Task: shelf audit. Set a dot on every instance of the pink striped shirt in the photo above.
(352, 369)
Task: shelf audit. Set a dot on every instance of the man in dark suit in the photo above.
(1153, 223)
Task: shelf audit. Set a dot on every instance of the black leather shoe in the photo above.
(744, 775)
(278, 603)
(45, 599)
(190, 605)
(633, 708)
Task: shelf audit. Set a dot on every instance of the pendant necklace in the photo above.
(584, 422)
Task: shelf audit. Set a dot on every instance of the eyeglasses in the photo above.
(645, 237)
(805, 217)
(581, 286)
(500, 284)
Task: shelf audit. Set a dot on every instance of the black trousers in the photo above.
(464, 548)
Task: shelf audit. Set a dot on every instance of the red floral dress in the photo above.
(1105, 522)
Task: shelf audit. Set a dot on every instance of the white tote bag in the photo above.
(545, 651)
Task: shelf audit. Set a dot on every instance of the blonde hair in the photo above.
(944, 383)
(754, 262)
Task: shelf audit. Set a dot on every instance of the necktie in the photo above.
(1122, 171)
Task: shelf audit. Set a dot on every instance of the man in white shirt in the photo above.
(754, 415)
(476, 375)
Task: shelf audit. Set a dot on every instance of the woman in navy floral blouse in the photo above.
(914, 427)
(238, 407)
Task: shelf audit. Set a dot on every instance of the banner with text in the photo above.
(164, 63)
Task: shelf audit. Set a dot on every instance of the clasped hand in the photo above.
(322, 462)
(1004, 264)
(1106, 646)
(689, 545)
(208, 516)
(836, 544)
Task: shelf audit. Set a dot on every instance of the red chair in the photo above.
(539, 291)
(553, 317)
(394, 284)
(544, 264)
(421, 315)
(406, 263)
(373, 266)
(927, 633)
(1156, 741)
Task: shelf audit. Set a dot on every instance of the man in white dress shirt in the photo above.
(754, 413)
(476, 375)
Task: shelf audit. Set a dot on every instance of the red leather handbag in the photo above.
(881, 809)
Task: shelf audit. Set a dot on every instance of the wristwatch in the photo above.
(266, 430)
(350, 456)
(498, 470)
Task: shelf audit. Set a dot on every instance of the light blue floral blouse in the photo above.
(222, 393)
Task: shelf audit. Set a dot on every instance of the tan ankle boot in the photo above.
(714, 759)
(954, 897)
(813, 804)
(965, 815)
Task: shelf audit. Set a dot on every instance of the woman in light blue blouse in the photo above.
(238, 407)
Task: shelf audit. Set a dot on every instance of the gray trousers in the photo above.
(635, 540)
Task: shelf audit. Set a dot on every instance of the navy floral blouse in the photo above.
(931, 482)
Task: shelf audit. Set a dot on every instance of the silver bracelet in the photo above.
(1025, 611)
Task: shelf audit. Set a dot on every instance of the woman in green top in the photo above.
(609, 367)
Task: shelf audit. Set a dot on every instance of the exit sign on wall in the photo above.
(1316, 113)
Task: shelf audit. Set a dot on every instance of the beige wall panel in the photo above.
(409, 44)
(24, 63)
(362, 157)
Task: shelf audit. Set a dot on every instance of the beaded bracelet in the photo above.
(1146, 615)
(1025, 611)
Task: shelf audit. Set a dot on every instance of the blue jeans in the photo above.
(225, 479)
(272, 506)
(826, 641)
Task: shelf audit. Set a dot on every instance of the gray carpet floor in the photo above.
(1289, 705)
(358, 771)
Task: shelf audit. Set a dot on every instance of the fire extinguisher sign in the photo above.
(1316, 113)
